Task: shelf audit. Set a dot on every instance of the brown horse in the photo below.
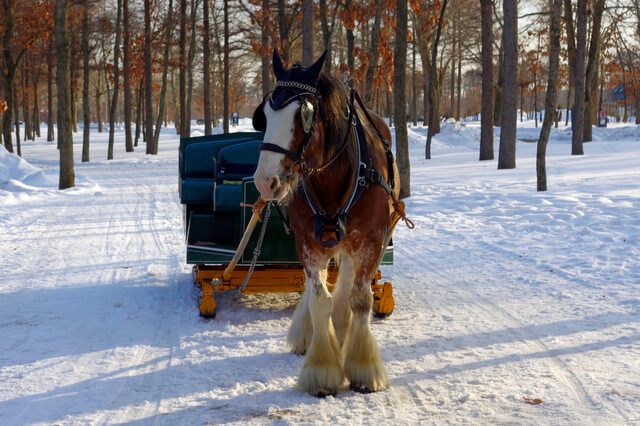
(339, 200)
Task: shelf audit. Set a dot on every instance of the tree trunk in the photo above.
(139, 102)
(265, 70)
(399, 98)
(577, 118)
(206, 73)
(459, 83)
(591, 81)
(86, 120)
(182, 74)
(126, 65)
(373, 53)
(63, 84)
(50, 131)
(414, 88)
(550, 98)
(36, 108)
(497, 105)
(327, 31)
(350, 40)
(486, 118)
(165, 70)
(116, 78)
(434, 93)
(307, 33)
(566, 119)
(25, 99)
(190, 57)
(16, 115)
(148, 82)
(452, 95)
(9, 74)
(507, 154)
(225, 108)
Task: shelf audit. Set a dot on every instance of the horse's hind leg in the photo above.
(321, 374)
(341, 314)
(363, 365)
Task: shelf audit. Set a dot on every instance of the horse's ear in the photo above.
(259, 120)
(278, 68)
(313, 72)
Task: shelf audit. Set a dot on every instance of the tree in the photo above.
(86, 113)
(507, 154)
(399, 98)
(225, 107)
(126, 66)
(577, 117)
(148, 82)
(182, 70)
(206, 74)
(307, 33)
(165, 69)
(591, 79)
(434, 92)
(373, 54)
(116, 80)
(63, 86)
(550, 97)
(486, 131)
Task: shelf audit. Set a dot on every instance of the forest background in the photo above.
(153, 63)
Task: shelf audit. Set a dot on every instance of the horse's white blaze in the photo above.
(279, 131)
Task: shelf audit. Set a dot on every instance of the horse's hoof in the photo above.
(323, 393)
(362, 389)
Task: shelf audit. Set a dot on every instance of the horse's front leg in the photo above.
(322, 373)
(300, 330)
(363, 365)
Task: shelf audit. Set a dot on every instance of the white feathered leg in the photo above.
(321, 374)
(341, 314)
(362, 361)
(300, 330)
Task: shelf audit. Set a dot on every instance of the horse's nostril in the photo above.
(275, 182)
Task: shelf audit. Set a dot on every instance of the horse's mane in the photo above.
(333, 108)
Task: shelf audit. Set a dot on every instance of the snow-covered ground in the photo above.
(501, 293)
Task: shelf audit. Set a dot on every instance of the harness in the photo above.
(334, 224)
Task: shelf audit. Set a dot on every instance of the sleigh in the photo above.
(226, 239)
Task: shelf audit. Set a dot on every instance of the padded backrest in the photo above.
(237, 161)
(198, 157)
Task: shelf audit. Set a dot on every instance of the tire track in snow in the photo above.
(456, 281)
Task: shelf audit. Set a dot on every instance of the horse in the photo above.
(328, 158)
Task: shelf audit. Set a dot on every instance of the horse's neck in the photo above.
(332, 185)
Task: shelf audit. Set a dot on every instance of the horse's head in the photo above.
(287, 117)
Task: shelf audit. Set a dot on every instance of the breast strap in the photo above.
(337, 222)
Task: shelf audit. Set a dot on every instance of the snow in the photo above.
(501, 293)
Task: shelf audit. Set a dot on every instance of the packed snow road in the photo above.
(501, 293)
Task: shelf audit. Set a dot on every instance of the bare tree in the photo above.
(225, 101)
(307, 32)
(591, 80)
(486, 132)
(206, 73)
(86, 113)
(551, 96)
(577, 117)
(63, 85)
(434, 111)
(373, 53)
(507, 154)
(126, 65)
(399, 98)
(116, 80)
(165, 70)
(152, 148)
(182, 72)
